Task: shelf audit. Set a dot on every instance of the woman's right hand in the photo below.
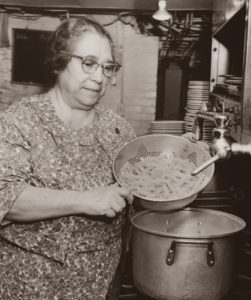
(105, 201)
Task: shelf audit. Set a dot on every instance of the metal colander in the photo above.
(174, 146)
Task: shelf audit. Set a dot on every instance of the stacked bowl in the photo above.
(197, 97)
(175, 127)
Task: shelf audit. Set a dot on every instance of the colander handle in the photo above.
(205, 165)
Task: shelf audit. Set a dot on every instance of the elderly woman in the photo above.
(61, 212)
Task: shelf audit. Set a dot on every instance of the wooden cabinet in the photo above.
(218, 17)
(246, 101)
(223, 11)
(231, 56)
(232, 7)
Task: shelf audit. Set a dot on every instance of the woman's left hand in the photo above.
(202, 144)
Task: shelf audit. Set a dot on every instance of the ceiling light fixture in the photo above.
(162, 14)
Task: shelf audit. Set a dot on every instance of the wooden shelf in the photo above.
(226, 99)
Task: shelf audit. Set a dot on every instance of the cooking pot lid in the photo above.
(188, 223)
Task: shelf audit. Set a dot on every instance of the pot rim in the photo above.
(191, 236)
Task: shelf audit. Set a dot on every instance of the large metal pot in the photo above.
(185, 255)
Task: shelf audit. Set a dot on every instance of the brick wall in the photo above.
(134, 93)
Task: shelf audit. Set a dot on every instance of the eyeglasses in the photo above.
(90, 65)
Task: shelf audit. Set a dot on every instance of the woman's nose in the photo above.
(98, 75)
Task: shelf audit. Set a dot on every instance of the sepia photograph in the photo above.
(125, 150)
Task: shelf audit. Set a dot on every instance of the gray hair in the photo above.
(63, 39)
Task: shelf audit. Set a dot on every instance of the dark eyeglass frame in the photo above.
(106, 71)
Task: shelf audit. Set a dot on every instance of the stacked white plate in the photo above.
(197, 96)
(175, 127)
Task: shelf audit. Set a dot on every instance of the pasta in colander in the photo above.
(161, 178)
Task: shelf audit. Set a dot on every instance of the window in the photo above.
(29, 56)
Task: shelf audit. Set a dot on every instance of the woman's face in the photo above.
(80, 90)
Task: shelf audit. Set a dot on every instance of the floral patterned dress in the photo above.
(66, 258)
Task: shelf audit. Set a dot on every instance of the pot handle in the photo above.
(210, 253)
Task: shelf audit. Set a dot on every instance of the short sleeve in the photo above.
(14, 165)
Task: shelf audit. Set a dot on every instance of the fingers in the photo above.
(110, 213)
(111, 200)
(187, 135)
(130, 198)
(124, 193)
(118, 205)
(117, 202)
(115, 207)
(202, 144)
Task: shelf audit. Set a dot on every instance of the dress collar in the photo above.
(62, 132)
